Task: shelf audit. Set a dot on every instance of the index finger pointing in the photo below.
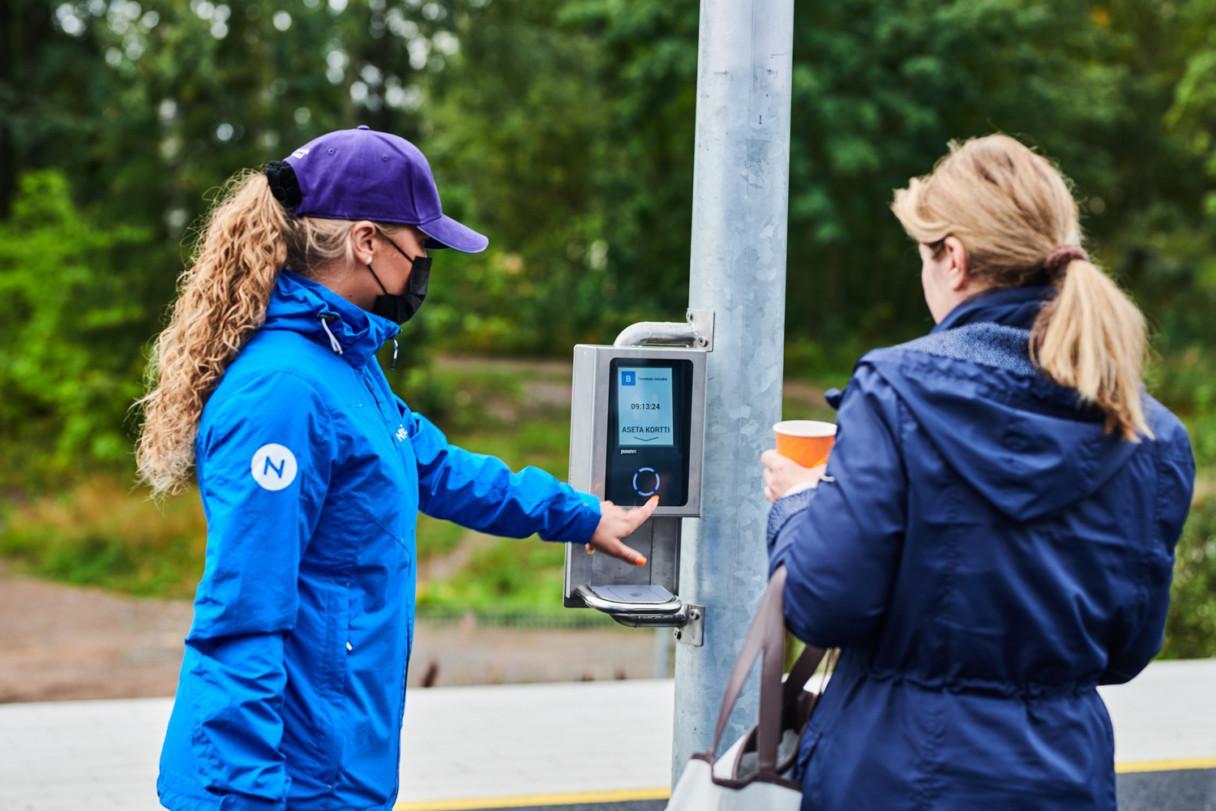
(639, 515)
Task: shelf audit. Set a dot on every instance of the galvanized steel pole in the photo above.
(740, 201)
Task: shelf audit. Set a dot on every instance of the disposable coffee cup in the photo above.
(807, 442)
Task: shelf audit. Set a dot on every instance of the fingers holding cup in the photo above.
(800, 457)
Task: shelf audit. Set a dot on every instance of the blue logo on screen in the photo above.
(629, 378)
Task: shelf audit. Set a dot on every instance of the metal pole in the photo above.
(740, 201)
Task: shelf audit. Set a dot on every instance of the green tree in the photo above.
(568, 125)
(66, 362)
(1190, 632)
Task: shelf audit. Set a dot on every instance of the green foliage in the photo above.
(100, 533)
(69, 359)
(1190, 632)
(1193, 113)
(437, 538)
(579, 170)
(1187, 382)
(504, 575)
(563, 129)
(877, 94)
(568, 125)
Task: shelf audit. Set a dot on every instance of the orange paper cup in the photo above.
(807, 442)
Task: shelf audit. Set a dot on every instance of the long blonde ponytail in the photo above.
(1092, 338)
(1013, 210)
(222, 299)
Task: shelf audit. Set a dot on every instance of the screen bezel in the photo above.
(681, 417)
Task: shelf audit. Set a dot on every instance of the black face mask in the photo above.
(401, 307)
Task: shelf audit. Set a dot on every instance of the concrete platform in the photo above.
(531, 746)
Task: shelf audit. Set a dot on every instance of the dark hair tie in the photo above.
(1058, 259)
(283, 184)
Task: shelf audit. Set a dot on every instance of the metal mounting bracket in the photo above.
(693, 631)
(703, 328)
(696, 332)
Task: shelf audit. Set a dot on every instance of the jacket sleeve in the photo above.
(482, 493)
(263, 459)
(1141, 623)
(841, 542)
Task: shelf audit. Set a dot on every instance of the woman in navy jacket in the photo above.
(312, 473)
(993, 536)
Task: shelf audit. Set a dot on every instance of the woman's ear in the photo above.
(956, 267)
(363, 241)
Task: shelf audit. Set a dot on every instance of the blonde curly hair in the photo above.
(222, 299)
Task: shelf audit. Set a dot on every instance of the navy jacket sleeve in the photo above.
(841, 542)
(482, 493)
(263, 455)
(1141, 622)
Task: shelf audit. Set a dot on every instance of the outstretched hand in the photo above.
(617, 523)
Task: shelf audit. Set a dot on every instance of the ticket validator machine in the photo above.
(637, 429)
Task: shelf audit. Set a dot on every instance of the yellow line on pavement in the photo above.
(1184, 764)
(525, 801)
(638, 795)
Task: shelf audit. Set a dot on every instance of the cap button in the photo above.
(361, 127)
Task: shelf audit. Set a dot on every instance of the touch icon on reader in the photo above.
(646, 481)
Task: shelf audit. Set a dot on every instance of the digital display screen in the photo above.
(644, 407)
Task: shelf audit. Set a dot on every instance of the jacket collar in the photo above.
(1007, 306)
(313, 310)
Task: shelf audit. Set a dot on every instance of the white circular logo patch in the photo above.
(273, 466)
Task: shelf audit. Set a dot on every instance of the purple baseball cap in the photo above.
(363, 174)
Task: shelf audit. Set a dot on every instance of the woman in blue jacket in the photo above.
(312, 473)
(994, 534)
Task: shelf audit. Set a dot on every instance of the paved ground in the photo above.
(555, 746)
(536, 744)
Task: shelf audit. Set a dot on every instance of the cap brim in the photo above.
(444, 232)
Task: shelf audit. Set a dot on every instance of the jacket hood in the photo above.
(313, 310)
(1026, 444)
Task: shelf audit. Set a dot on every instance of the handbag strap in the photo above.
(766, 640)
(802, 671)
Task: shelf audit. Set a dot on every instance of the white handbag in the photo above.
(756, 772)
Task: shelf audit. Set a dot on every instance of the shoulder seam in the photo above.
(312, 386)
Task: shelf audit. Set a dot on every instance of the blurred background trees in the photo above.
(564, 130)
